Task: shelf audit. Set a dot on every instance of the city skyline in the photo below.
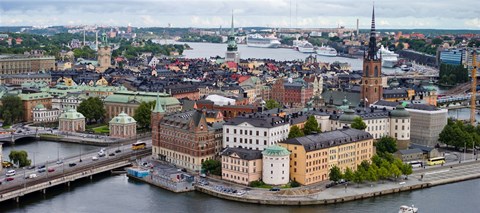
(428, 14)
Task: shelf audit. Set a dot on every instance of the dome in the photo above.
(122, 118)
(399, 111)
(40, 106)
(394, 83)
(275, 150)
(348, 116)
(72, 114)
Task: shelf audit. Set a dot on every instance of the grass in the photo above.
(49, 136)
(6, 127)
(101, 129)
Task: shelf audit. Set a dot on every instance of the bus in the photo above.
(139, 145)
(436, 161)
(416, 164)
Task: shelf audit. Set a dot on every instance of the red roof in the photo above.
(243, 78)
(231, 64)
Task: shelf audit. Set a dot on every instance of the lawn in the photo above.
(101, 129)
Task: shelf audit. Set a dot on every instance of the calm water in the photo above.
(118, 194)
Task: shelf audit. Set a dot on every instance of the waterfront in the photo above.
(118, 194)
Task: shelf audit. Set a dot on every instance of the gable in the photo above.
(245, 124)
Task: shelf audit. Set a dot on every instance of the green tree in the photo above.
(386, 144)
(365, 165)
(294, 184)
(382, 174)
(295, 132)
(143, 114)
(359, 176)
(348, 175)
(335, 174)
(395, 171)
(311, 125)
(213, 167)
(358, 123)
(406, 169)
(272, 104)
(92, 109)
(19, 157)
(372, 173)
(11, 110)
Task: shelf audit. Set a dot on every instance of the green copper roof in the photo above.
(122, 118)
(40, 106)
(71, 114)
(158, 105)
(127, 98)
(400, 112)
(34, 96)
(348, 116)
(275, 150)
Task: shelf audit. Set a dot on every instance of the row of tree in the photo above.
(452, 74)
(459, 135)
(11, 110)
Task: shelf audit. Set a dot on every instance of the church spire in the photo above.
(158, 105)
(232, 44)
(372, 44)
(232, 29)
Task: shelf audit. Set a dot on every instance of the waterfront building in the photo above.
(123, 126)
(232, 54)
(21, 64)
(426, 121)
(452, 56)
(71, 121)
(44, 115)
(255, 131)
(407, 155)
(276, 165)
(104, 55)
(184, 138)
(241, 166)
(371, 85)
(31, 100)
(312, 156)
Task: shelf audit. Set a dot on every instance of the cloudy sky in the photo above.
(403, 14)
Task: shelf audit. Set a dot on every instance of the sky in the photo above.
(390, 14)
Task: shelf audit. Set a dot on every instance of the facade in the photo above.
(408, 155)
(371, 85)
(71, 121)
(20, 64)
(19, 79)
(232, 54)
(312, 156)
(292, 94)
(255, 131)
(123, 126)
(104, 55)
(241, 166)
(228, 111)
(276, 165)
(32, 100)
(451, 56)
(44, 115)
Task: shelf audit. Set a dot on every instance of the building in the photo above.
(312, 156)
(255, 131)
(44, 115)
(232, 54)
(71, 121)
(241, 165)
(371, 85)
(123, 126)
(451, 56)
(32, 100)
(407, 155)
(104, 55)
(228, 111)
(19, 79)
(292, 94)
(184, 139)
(20, 64)
(276, 165)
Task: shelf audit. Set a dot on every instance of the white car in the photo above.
(10, 173)
(94, 158)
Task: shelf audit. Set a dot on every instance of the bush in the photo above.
(257, 183)
(294, 184)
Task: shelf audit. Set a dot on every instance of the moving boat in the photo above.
(389, 58)
(264, 41)
(303, 46)
(408, 209)
(326, 51)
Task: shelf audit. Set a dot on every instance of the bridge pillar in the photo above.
(68, 183)
(91, 177)
(17, 199)
(44, 191)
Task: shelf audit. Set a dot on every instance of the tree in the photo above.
(358, 123)
(406, 169)
(359, 176)
(294, 184)
(295, 132)
(395, 171)
(92, 109)
(386, 144)
(272, 104)
(372, 173)
(348, 175)
(11, 110)
(311, 125)
(365, 165)
(143, 114)
(382, 174)
(213, 167)
(20, 158)
(335, 174)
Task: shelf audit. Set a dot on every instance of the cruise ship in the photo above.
(326, 51)
(303, 46)
(257, 40)
(389, 58)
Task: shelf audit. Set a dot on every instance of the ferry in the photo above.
(258, 40)
(408, 209)
(303, 46)
(326, 51)
(389, 58)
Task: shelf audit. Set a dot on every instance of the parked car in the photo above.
(51, 169)
(274, 189)
(118, 151)
(31, 176)
(41, 167)
(31, 167)
(9, 178)
(101, 154)
(94, 158)
(59, 161)
(10, 173)
(111, 154)
(72, 164)
(41, 170)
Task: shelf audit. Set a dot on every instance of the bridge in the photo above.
(11, 138)
(65, 173)
(458, 99)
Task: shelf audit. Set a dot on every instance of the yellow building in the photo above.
(312, 156)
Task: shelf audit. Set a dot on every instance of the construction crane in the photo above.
(474, 86)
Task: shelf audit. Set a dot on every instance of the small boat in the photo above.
(408, 209)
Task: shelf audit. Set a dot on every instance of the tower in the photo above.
(372, 89)
(104, 55)
(155, 118)
(232, 49)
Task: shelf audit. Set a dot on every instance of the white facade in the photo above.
(42, 115)
(276, 169)
(248, 136)
(400, 128)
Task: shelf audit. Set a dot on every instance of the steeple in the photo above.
(232, 28)
(232, 44)
(158, 105)
(372, 44)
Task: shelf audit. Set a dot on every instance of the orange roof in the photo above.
(243, 78)
(231, 64)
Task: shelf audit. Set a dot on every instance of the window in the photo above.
(234, 131)
(265, 133)
(241, 132)
(258, 133)
(228, 130)
(271, 165)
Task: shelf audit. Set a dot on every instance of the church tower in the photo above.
(372, 89)
(104, 55)
(157, 115)
(232, 53)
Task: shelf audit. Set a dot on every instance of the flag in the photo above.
(366, 100)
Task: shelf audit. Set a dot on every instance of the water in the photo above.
(41, 151)
(118, 194)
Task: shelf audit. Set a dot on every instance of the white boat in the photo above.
(326, 51)
(257, 40)
(405, 68)
(303, 46)
(408, 209)
(389, 58)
